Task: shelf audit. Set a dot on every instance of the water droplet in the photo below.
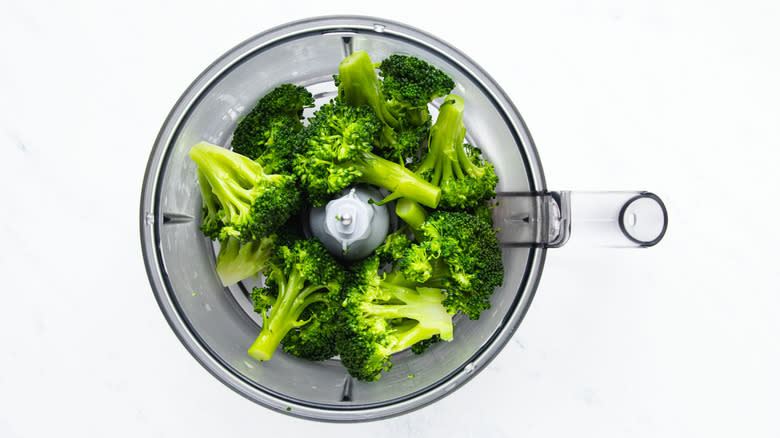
(249, 364)
(379, 28)
(149, 219)
(207, 306)
(469, 368)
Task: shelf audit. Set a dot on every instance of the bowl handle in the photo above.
(613, 219)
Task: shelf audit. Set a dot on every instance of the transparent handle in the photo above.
(614, 219)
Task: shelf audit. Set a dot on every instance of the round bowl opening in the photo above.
(217, 325)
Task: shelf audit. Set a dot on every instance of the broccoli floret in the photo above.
(460, 253)
(300, 302)
(336, 153)
(402, 144)
(211, 224)
(410, 84)
(382, 317)
(465, 179)
(269, 132)
(406, 122)
(358, 85)
(237, 261)
(394, 246)
(422, 346)
(242, 200)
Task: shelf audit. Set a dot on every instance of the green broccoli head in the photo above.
(211, 224)
(382, 317)
(300, 302)
(398, 101)
(466, 180)
(242, 200)
(337, 153)
(403, 144)
(315, 340)
(394, 246)
(410, 84)
(237, 261)
(423, 346)
(460, 253)
(269, 132)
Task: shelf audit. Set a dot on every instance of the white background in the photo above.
(677, 97)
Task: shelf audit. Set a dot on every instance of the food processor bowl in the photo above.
(217, 324)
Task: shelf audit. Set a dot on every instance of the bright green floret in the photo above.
(300, 303)
(423, 346)
(383, 316)
(465, 179)
(458, 252)
(398, 104)
(337, 153)
(410, 84)
(240, 199)
(394, 246)
(237, 261)
(269, 132)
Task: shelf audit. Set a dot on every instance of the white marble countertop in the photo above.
(680, 98)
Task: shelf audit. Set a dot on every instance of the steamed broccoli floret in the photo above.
(458, 252)
(359, 85)
(269, 131)
(382, 317)
(465, 179)
(402, 144)
(242, 200)
(410, 84)
(299, 303)
(237, 261)
(211, 224)
(336, 153)
(394, 246)
(398, 103)
(422, 346)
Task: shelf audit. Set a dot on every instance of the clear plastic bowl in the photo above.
(217, 324)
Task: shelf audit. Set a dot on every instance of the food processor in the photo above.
(217, 324)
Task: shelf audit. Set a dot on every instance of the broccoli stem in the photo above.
(359, 85)
(402, 182)
(472, 169)
(422, 305)
(408, 333)
(291, 301)
(446, 143)
(411, 212)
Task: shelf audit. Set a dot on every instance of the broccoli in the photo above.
(300, 302)
(400, 101)
(458, 252)
(237, 261)
(465, 179)
(359, 85)
(382, 317)
(411, 84)
(242, 200)
(394, 246)
(211, 225)
(336, 153)
(269, 132)
(422, 346)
